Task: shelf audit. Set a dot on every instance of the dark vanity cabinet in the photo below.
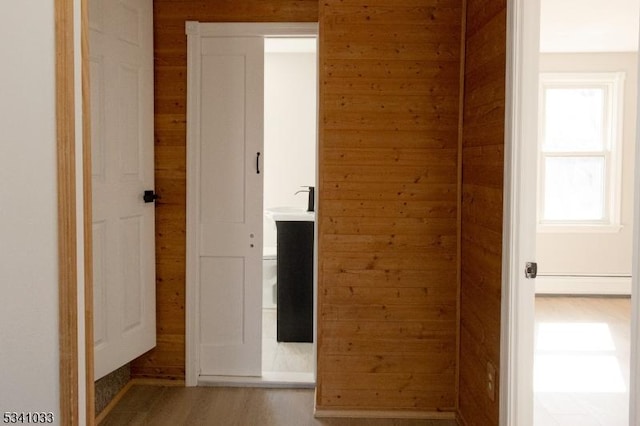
(295, 281)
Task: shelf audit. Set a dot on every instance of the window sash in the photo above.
(612, 84)
(604, 137)
(606, 217)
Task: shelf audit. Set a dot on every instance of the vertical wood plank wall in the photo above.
(170, 55)
(389, 108)
(482, 180)
(389, 93)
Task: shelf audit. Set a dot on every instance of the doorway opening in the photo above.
(290, 123)
(251, 150)
(586, 147)
(568, 339)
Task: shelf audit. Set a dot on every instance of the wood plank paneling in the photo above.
(170, 52)
(388, 196)
(389, 112)
(482, 189)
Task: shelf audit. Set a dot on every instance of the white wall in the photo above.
(28, 223)
(289, 131)
(597, 253)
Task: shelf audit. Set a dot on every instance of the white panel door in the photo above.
(121, 46)
(229, 216)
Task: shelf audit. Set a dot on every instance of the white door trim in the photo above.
(195, 31)
(255, 29)
(634, 384)
(516, 358)
(192, 325)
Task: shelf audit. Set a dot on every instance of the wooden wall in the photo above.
(482, 179)
(389, 93)
(170, 55)
(389, 99)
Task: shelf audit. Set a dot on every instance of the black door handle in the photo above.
(257, 163)
(149, 196)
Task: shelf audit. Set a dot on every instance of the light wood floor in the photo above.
(174, 406)
(581, 373)
(592, 333)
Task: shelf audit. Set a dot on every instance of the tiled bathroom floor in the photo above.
(283, 357)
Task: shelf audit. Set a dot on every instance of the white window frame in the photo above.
(613, 83)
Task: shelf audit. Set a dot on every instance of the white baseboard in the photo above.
(267, 380)
(577, 285)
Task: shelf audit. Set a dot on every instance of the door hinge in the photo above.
(531, 270)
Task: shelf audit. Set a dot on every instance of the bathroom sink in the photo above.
(292, 214)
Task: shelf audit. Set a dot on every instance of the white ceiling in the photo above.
(589, 25)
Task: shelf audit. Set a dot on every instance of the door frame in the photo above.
(67, 200)
(516, 358)
(195, 31)
(73, 145)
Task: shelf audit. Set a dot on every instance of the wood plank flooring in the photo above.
(173, 406)
(582, 361)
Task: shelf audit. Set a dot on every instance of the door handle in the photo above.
(258, 163)
(149, 196)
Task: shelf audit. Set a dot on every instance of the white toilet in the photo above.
(269, 276)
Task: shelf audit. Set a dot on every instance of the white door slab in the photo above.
(121, 46)
(228, 188)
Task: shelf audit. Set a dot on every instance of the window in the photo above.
(579, 163)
